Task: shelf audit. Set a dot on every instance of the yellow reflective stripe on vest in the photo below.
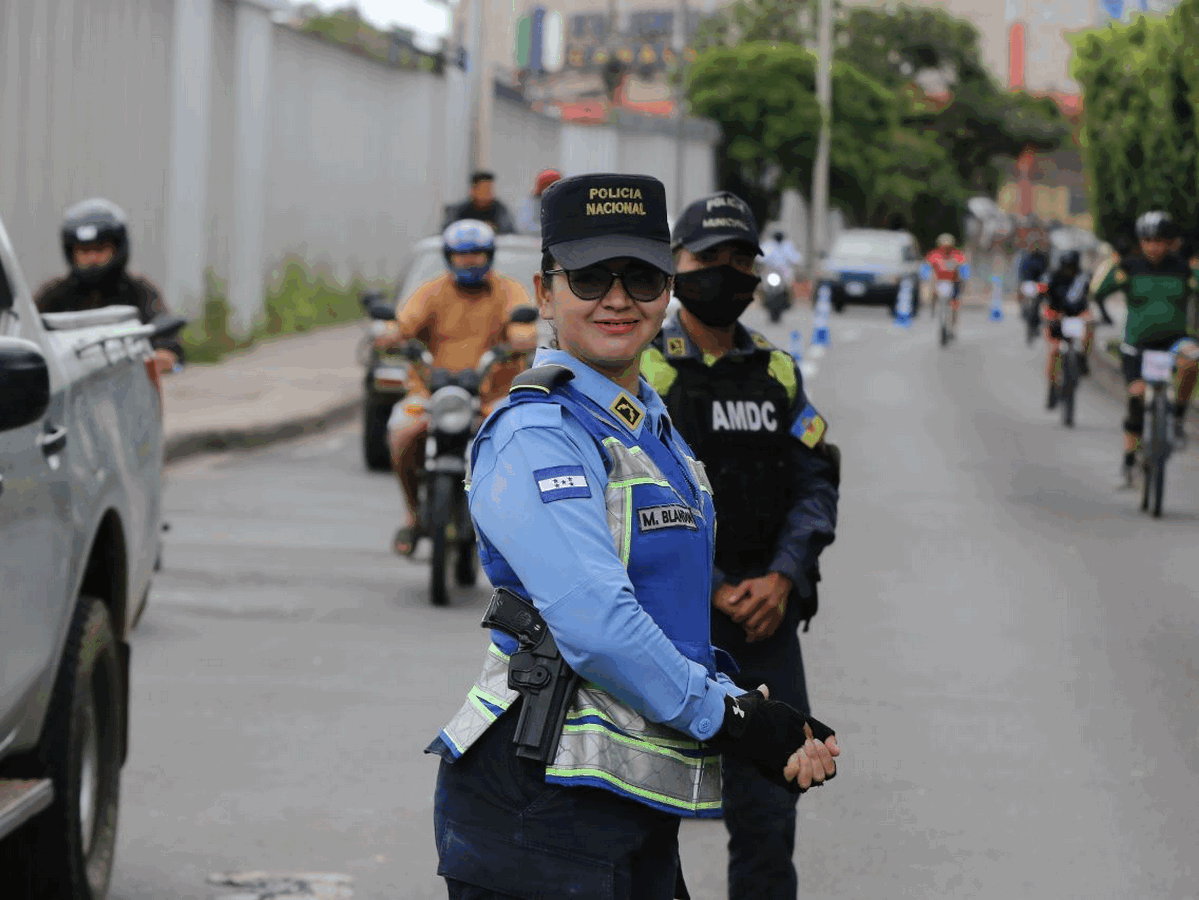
(473, 719)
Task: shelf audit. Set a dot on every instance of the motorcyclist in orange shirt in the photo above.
(458, 317)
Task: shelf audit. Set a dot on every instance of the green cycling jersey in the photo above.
(1157, 296)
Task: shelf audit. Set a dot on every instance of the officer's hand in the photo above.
(725, 597)
(760, 610)
(165, 360)
(814, 763)
(776, 739)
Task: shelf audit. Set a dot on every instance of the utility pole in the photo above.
(824, 95)
(475, 86)
(680, 150)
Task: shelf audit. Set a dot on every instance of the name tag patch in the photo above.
(562, 483)
(809, 427)
(653, 518)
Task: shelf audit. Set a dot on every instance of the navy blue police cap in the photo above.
(716, 219)
(586, 219)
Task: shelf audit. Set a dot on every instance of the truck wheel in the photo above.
(69, 848)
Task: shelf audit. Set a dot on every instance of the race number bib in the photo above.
(1156, 365)
(1073, 327)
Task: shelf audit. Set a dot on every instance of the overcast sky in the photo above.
(420, 15)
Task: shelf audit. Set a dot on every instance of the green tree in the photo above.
(896, 156)
(763, 96)
(1141, 147)
(981, 126)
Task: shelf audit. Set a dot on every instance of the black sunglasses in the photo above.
(642, 282)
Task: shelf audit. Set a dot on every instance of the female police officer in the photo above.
(592, 511)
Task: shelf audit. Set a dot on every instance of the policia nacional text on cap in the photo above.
(583, 441)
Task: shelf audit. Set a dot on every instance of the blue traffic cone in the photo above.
(996, 298)
(903, 305)
(796, 346)
(824, 305)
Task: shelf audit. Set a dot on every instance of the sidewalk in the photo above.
(279, 389)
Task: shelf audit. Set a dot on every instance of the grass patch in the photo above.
(298, 300)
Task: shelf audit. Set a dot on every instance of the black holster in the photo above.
(537, 672)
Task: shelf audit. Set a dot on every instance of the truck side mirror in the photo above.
(168, 325)
(24, 383)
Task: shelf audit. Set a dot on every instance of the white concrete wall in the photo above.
(356, 166)
(230, 158)
(523, 143)
(84, 112)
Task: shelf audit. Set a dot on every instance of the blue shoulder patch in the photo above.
(562, 483)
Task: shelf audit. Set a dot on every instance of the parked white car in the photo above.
(81, 458)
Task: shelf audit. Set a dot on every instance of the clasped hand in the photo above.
(756, 604)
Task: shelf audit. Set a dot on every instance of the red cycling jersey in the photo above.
(945, 263)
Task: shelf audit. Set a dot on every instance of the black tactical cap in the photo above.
(713, 220)
(589, 218)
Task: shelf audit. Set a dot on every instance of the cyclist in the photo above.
(1033, 267)
(948, 263)
(1066, 295)
(1158, 284)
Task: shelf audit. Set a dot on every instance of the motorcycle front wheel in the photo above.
(441, 514)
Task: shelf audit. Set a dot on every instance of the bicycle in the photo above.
(1031, 292)
(943, 298)
(1068, 365)
(1157, 370)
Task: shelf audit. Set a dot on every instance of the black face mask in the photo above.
(716, 296)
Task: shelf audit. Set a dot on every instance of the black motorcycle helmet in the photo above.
(91, 222)
(1156, 225)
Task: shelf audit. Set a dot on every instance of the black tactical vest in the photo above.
(737, 419)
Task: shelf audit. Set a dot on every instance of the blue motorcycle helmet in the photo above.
(468, 236)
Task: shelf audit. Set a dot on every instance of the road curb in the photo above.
(218, 440)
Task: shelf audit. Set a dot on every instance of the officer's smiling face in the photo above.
(607, 334)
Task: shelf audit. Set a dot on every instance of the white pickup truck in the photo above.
(81, 458)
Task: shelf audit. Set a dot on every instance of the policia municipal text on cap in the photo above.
(595, 525)
(740, 404)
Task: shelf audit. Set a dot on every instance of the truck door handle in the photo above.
(52, 442)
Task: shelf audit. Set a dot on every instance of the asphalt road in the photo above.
(1006, 647)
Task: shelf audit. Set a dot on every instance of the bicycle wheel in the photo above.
(1161, 449)
(1069, 385)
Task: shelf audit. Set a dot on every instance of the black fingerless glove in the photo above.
(764, 734)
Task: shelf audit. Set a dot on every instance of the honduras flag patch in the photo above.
(809, 427)
(562, 483)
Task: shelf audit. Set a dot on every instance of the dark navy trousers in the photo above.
(759, 815)
(504, 834)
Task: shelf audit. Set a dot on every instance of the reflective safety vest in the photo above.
(662, 525)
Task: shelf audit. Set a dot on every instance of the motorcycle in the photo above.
(385, 382)
(776, 293)
(453, 409)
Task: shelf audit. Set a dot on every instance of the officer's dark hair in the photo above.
(481, 175)
(547, 263)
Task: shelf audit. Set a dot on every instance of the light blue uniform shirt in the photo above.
(563, 554)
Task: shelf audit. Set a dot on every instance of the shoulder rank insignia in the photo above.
(809, 427)
(676, 346)
(542, 378)
(760, 341)
(625, 409)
